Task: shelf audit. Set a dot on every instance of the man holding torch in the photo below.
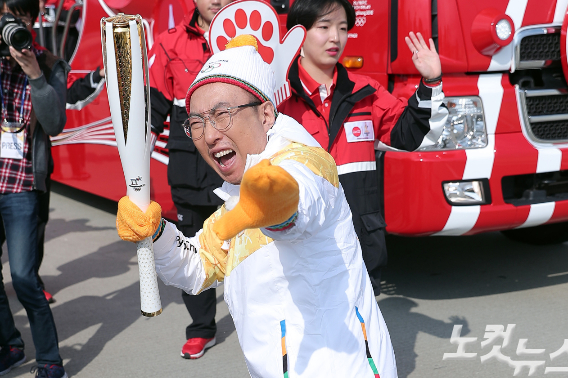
(283, 243)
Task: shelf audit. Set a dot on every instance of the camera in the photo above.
(14, 33)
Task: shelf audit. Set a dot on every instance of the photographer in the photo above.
(33, 86)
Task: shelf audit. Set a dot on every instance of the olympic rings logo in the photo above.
(360, 21)
(211, 66)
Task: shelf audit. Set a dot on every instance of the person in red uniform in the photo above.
(351, 114)
(48, 9)
(175, 59)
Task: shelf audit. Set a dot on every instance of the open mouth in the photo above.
(224, 158)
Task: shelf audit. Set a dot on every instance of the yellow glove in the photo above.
(269, 196)
(134, 225)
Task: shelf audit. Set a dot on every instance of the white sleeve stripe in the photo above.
(438, 116)
(380, 146)
(82, 103)
(179, 102)
(427, 104)
(356, 167)
(93, 84)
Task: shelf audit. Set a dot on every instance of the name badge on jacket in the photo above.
(12, 145)
(359, 131)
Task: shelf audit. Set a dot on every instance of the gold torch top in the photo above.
(119, 27)
(121, 19)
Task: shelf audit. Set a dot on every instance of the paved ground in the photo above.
(431, 285)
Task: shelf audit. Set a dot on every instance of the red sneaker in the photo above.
(195, 347)
(49, 297)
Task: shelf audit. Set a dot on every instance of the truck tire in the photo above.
(547, 234)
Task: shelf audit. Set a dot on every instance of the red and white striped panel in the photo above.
(506, 154)
(502, 153)
(479, 162)
(525, 13)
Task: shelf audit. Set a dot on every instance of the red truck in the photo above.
(501, 163)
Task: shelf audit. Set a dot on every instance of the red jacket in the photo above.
(175, 60)
(67, 4)
(364, 114)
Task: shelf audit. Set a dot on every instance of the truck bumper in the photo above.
(415, 203)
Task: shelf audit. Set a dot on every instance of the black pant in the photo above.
(202, 307)
(374, 255)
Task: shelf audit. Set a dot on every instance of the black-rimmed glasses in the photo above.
(220, 119)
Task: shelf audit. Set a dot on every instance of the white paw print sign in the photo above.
(260, 20)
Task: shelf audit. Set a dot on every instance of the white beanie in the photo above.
(241, 66)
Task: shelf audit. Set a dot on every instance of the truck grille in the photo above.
(537, 47)
(543, 105)
(545, 115)
(551, 131)
(540, 47)
(535, 188)
(545, 111)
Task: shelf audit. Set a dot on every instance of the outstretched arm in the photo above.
(269, 196)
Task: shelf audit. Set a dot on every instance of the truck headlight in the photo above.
(465, 127)
(475, 192)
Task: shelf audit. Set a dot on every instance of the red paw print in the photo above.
(259, 19)
(249, 24)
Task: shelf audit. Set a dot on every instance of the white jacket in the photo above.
(300, 298)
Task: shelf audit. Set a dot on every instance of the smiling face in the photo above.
(227, 151)
(208, 9)
(325, 40)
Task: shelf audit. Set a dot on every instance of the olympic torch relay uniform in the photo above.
(301, 299)
(283, 244)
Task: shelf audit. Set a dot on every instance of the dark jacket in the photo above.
(48, 93)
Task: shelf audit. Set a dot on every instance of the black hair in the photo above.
(23, 7)
(307, 12)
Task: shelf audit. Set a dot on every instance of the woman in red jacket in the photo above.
(351, 114)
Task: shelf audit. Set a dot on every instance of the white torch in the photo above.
(128, 88)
